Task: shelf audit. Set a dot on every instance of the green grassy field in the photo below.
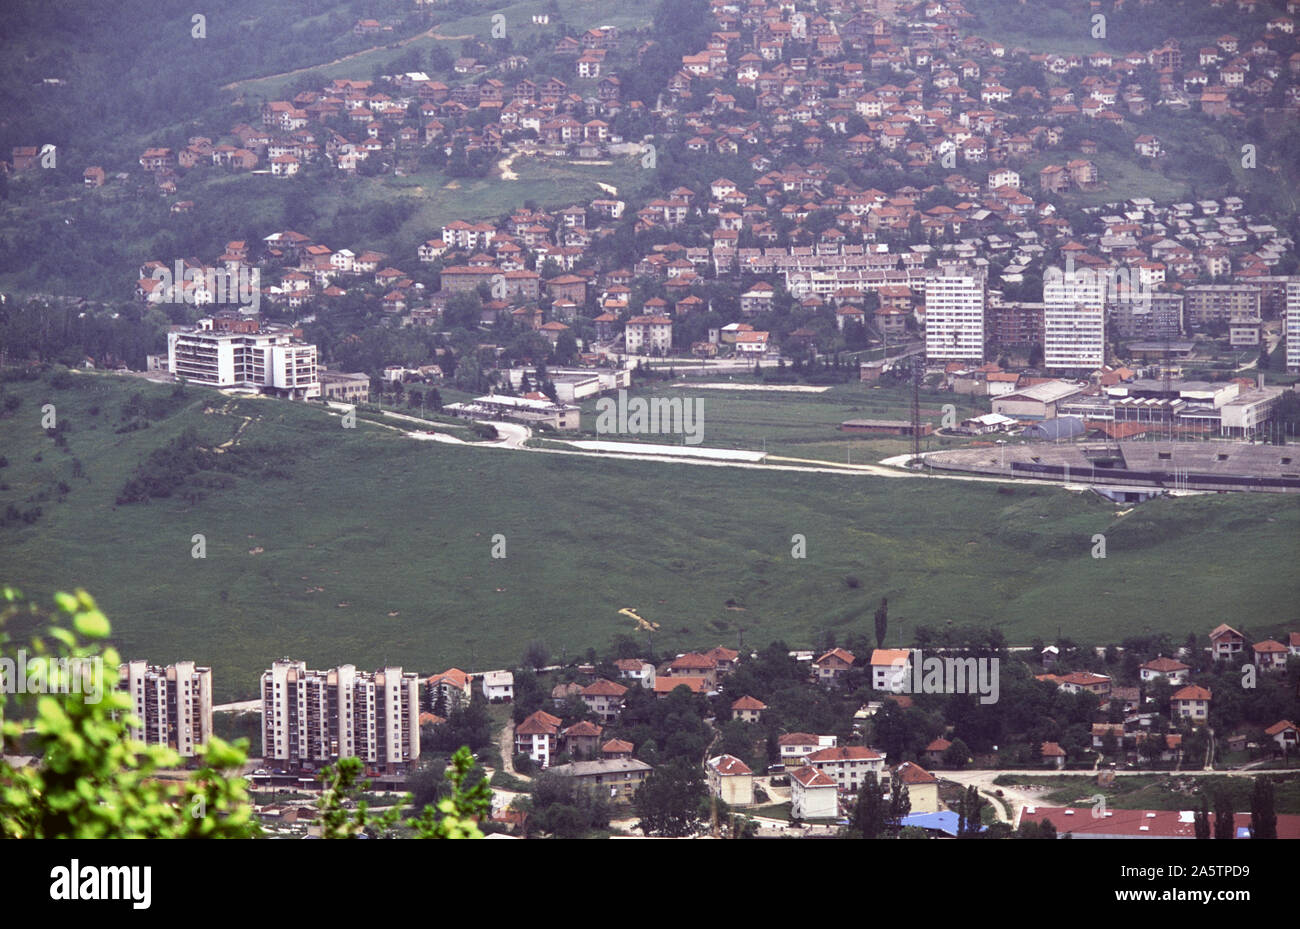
(802, 425)
(376, 548)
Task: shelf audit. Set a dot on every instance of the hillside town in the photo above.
(595, 728)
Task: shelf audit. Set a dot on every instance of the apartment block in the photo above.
(312, 718)
(1157, 315)
(954, 318)
(271, 360)
(1074, 322)
(173, 704)
(1221, 303)
(1015, 323)
(1293, 326)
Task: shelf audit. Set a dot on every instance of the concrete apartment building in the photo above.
(1293, 326)
(1016, 323)
(272, 361)
(1074, 323)
(1221, 303)
(954, 318)
(173, 704)
(1158, 315)
(312, 718)
(648, 335)
(345, 388)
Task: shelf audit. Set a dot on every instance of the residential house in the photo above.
(1286, 735)
(620, 777)
(604, 698)
(1191, 702)
(636, 670)
(693, 664)
(1226, 643)
(889, 667)
(848, 766)
(731, 780)
(499, 686)
(832, 666)
(1172, 670)
(813, 794)
(1270, 655)
(451, 689)
(538, 737)
(582, 740)
(922, 787)
(748, 709)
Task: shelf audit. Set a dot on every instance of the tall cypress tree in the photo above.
(1223, 816)
(1203, 818)
(1263, 818)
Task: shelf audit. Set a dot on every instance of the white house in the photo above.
(499, 685)
(1174, 671)
(813, 794)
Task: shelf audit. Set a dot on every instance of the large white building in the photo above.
(954, 318)
(173, 704)
(1074, 321)
(313, 718)
(1293, 325)
(272, 361)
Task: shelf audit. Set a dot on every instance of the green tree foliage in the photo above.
(670, 801)
(560, 809)
(92, 780)
(1202, 819)
(1263, 816)
(871, 813)
(1224, 827)
(456, 816)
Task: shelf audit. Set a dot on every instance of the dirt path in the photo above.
(507, 744)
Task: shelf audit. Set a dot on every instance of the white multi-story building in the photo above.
(954, 318)
(1074, 321)
(272, 361)
(173, 704)
(1293, 326)
(313, 718)
(648, 335)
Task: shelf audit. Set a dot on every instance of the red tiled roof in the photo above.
(845, 753)
(809, 776)
(583, 728)
(909, 773)
(729, 766)
(748, 703)
(1192, 692)
(693, 661)
(666, 685)
(1164, 665)
(604, 688)
(1159, 824)
(540, 723)
(1052, 750)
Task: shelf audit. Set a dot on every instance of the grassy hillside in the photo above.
(370, 547)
